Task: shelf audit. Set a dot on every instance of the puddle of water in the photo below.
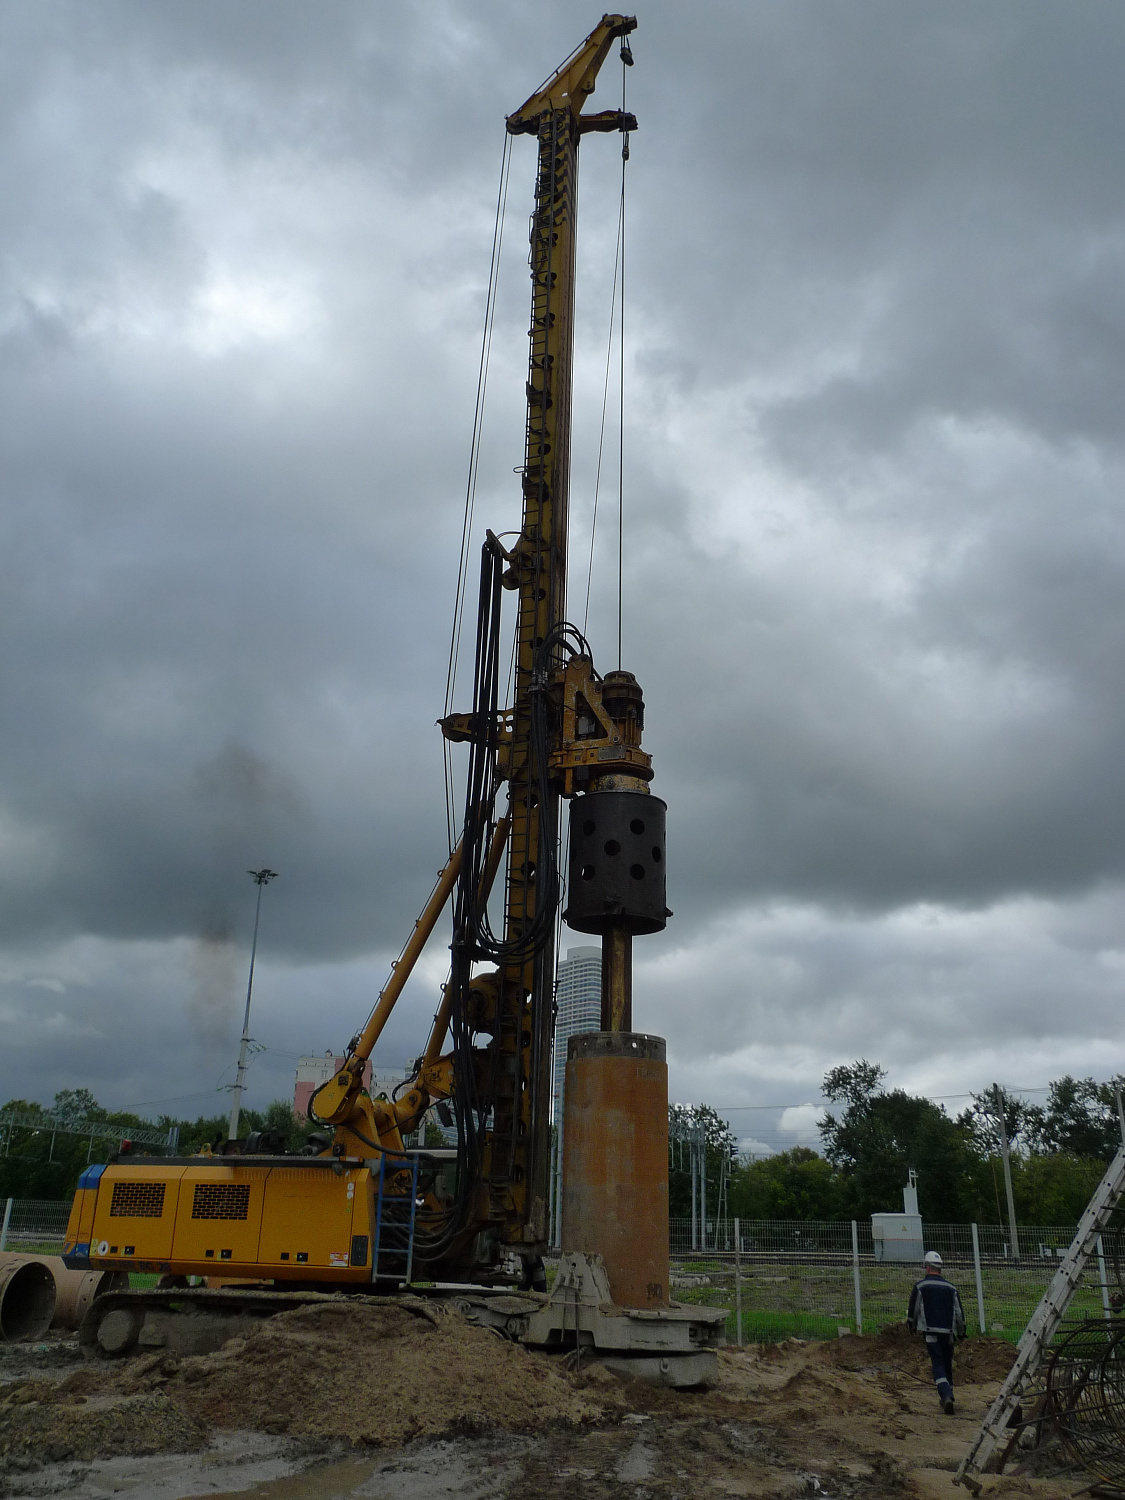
(323, 1483)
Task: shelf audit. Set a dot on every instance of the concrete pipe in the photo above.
(615, 1161)
(27, 1298)
(74, 1290)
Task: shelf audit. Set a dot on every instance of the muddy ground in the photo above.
(397, 1399)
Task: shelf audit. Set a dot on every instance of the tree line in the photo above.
(38, 1160)
(41, 1159)
(869, 1142)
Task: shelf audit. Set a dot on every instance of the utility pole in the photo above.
(261, 878)
(998, 1094)
(693, 1158)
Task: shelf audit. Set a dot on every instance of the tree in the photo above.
(981, 1121)
(280, 1116)
(879, 1136)
(77, 1104)
(45, 1161)
(1055, 1188)
(796, 1184)
(1080, 1118)
(206, 1130)
(854, 1083)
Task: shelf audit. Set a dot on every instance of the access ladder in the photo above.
(1043, 1325)
(392, 1256)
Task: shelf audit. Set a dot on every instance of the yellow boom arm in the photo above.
(573, 83)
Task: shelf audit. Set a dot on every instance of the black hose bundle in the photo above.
(474, 940)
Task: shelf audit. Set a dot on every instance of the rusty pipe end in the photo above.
(27, 1299)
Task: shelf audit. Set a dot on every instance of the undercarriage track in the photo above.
(671, 1345)
(196, 1320)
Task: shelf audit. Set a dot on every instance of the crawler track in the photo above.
(194, 1320)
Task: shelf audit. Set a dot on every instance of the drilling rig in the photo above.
(359, 1209)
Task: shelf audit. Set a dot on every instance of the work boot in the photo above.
(947, 1406)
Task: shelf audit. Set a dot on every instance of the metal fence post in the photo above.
(1106, 1309)
(694, 1193)
(4, 1227)
(855, 1278)
(980, 1282)
(738, 1280)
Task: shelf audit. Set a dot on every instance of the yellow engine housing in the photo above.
(302, 1219)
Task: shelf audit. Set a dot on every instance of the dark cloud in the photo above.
(873, 519)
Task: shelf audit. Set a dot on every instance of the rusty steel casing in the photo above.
(73, 1290)
(615, 1161)
(27, 1298)
(76, 1290)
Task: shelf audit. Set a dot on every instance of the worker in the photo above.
(935, 1311)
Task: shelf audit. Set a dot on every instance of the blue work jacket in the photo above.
(935, 1307)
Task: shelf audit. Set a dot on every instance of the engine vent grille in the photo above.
(221, 1200)
(137, 1200)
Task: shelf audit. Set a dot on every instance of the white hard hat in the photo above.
(932, 1258)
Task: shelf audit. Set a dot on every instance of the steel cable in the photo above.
(474, 467)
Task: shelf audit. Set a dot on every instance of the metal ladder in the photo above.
(392, 1257)
(1043, 1325)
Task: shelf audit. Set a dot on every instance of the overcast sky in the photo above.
(874, 541)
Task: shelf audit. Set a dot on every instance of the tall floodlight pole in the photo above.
(261, 878)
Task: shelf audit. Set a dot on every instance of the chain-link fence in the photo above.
(36, 1227)
(799, 1278)
(814, 1279)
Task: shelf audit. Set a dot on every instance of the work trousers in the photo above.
(940, 1349)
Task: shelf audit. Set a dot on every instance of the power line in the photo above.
(933, 1098)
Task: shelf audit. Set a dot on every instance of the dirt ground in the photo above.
(405, 1399)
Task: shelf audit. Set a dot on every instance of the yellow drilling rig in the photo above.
(358, 1209)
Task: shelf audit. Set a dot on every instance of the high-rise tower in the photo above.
(578, 995)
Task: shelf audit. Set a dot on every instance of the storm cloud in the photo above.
(874, 542)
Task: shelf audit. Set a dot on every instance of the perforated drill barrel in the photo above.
(615, 1153)
(617, 885)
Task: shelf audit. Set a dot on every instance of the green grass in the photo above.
(769, 1328)
(782, 1300)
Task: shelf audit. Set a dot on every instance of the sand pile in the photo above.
(796, 1386)
(45, 1421)
(976, 1360)
(877, 1375)
(373, 1373)
(982, 1359)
